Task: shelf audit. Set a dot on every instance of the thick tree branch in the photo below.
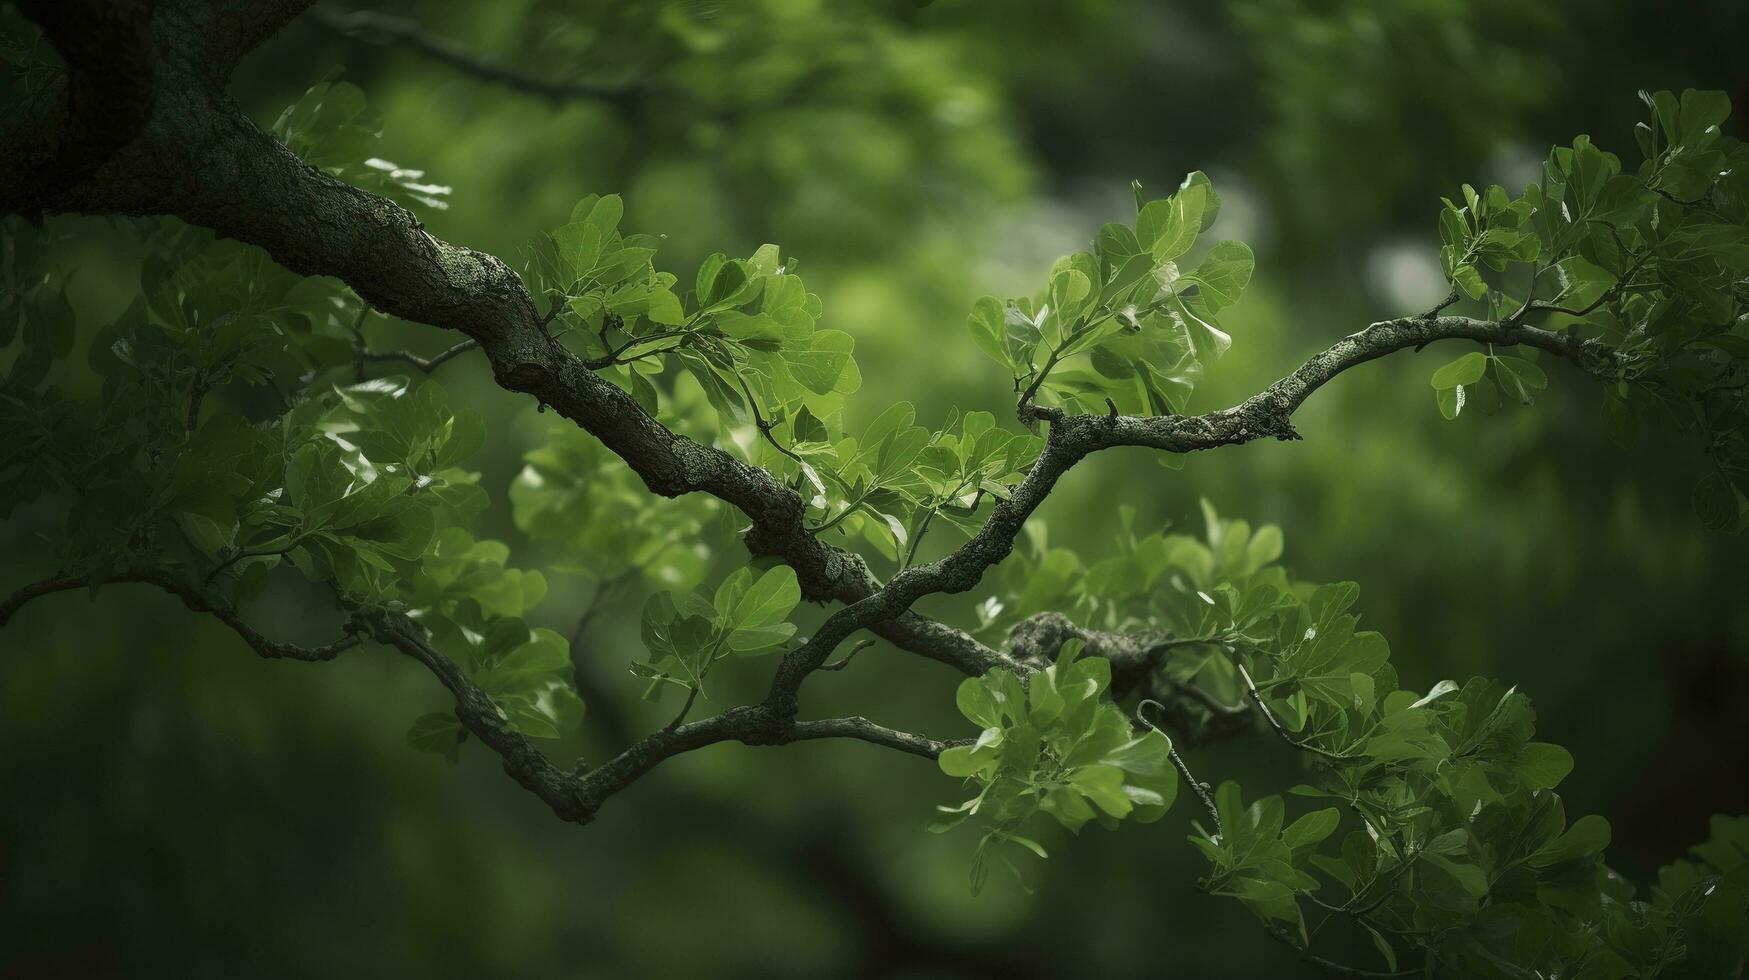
(101, 105)
(191, 597)
(203, 161)
(200, 159)
(231, 29)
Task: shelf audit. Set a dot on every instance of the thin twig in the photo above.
(194, 599)
(359, 347)
(426, 364)
(691, 696)
(917, 537)
(1282, 936)
(844, 661)
(1196, 786)
(383, 30)
(1256, 697)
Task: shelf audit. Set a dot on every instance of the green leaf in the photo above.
(1544, 764)
(1103, 785)
(437, 733)
(1588, 835)
(1451, 401)
(1070, 290)
(1311, 829)
(1466, 370)
(1469, 279)
(1167, 227)
(1520, 376)
(1715, 501)
(1224, 273)
(1211, 201)
(988, 331)
(1383, 945)
(744, 602)
(962, 760)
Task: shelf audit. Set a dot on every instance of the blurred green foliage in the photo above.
(174, 806)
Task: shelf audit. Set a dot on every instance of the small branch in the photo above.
(195, 600)
(685, 709)
(1197, 786)
(864, 730)
(917, 538)
(426, 364)
(1621, 284)
(1340, 969)
(359, 347)
(612, 357)
(1450, 300)
(383, 30)
(196, 393)
(763, 426)
(1215, 706)
(1201, 789)
(1536, 271)
(243, 553)
(1022, 408)
(480, 715)
(750, 724)
(844, 661)
(1256, 697)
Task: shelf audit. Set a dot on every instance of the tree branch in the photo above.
(1135, 658)
(233, 28)
(750, 724)
(191, 597)
(200, 159)
(1269, 412)
(383, 30)
(560, 789)
(867, 731)
(575, 794)
(1282, 936)
(101, 106)
(426, 364)
(203, 161)
(1275, 724)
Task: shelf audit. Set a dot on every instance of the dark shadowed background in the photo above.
(171, 805)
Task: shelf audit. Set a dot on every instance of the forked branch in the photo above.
(198, 158)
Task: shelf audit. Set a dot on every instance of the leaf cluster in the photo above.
(1052, 745)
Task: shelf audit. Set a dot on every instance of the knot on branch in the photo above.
(532, 377)
(762, 725)
(1036, 640)
(1279, 419)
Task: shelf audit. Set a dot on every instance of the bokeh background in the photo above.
(170, 805)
